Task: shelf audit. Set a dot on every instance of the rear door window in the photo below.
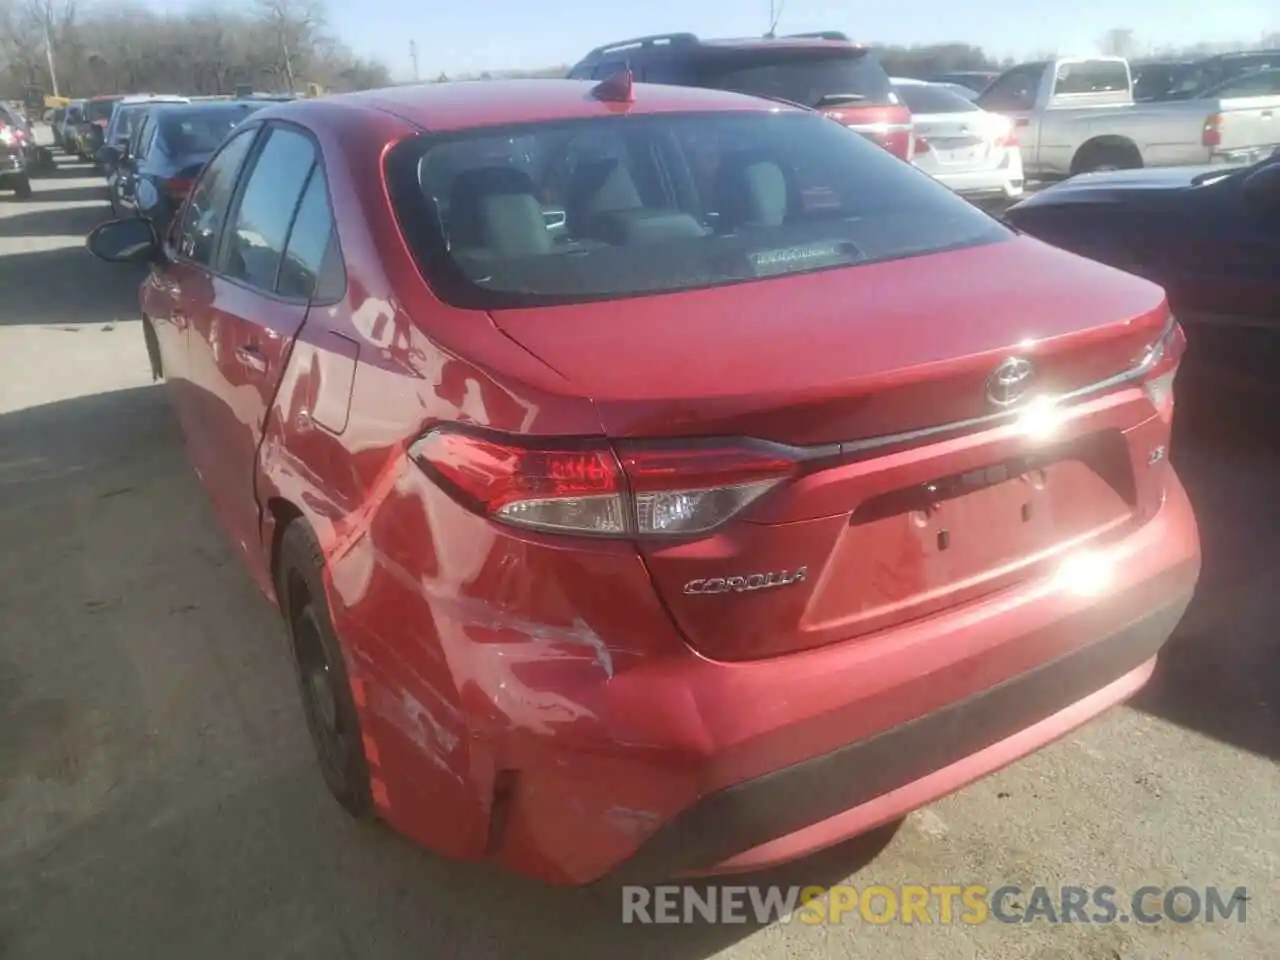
(801, 76)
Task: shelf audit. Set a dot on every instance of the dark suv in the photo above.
(825, 71)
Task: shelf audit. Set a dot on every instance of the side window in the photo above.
(1262, 83)
(607, 68)
(255, 243)
(206, 208)
(311, 263)
(1091, 76)
(1014, 89)
(670, 70)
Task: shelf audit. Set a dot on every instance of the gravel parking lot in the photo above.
(158, 795)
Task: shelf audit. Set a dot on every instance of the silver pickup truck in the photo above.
(1077, 115)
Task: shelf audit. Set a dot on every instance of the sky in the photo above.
(468, 36)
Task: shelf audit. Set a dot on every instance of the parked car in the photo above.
(67, 137)
(1209, 235)
(975, 80)
(152, 177)
(16, 149)
(959, 144)
(1154, 79)
(124, 121)
(1194, 79)
(1078, 116)
(657, 480)
(55, 119)
(821, 70)
(92, 129)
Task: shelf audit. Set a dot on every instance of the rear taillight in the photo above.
(1007, 133)
(1159, 364)
(1211, 134)
(586, 487)
(921, 145)
(176, 188)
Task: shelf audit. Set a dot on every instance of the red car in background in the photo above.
(825, 70)
(632, 513)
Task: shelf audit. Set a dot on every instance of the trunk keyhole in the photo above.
(944, 539)
(1026, 513)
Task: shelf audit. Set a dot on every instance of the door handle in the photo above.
(251, 356)
(1266, 114)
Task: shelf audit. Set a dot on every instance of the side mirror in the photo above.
(109, 156)
(124, 241)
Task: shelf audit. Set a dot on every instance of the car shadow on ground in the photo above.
(179, 801)
(1220, 673)
(81, 193)
(66, 285)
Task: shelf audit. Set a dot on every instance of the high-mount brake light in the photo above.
(585, 487)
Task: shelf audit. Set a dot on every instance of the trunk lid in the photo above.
(830, 358)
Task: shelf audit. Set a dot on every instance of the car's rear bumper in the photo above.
(694, 766)
(821, 801)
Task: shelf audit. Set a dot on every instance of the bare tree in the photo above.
(294, 27)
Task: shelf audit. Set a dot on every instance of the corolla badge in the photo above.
(1010, 382)
(748, 582)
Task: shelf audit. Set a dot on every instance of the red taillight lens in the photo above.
(685, 490)
(177, 188)
(921, 145)
(584, 488)
(1211, 135)
(1007, 133)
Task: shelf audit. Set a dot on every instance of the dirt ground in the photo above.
(158, 796)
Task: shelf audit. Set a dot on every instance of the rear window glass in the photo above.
(608, 208)
(802, 76)
(1092, 76)
(100, 109)
(929, 98)
(200, 131)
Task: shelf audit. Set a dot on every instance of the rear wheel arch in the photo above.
(1109, 152)
(279, 514)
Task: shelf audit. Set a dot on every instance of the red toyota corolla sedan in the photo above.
(660, 481)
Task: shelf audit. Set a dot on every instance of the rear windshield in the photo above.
(625, 206)
(200, 131)
(804, 75)
(925, 98)
(100, 109)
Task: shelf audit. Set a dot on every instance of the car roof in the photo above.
(467, 104)
(139, 98)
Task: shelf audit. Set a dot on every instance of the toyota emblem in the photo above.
(1010, 382)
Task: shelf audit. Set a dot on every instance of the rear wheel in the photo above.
(321, 672)
(1102, 157)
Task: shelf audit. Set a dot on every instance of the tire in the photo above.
(323, 683)
(22, 187)
(1103, 157)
